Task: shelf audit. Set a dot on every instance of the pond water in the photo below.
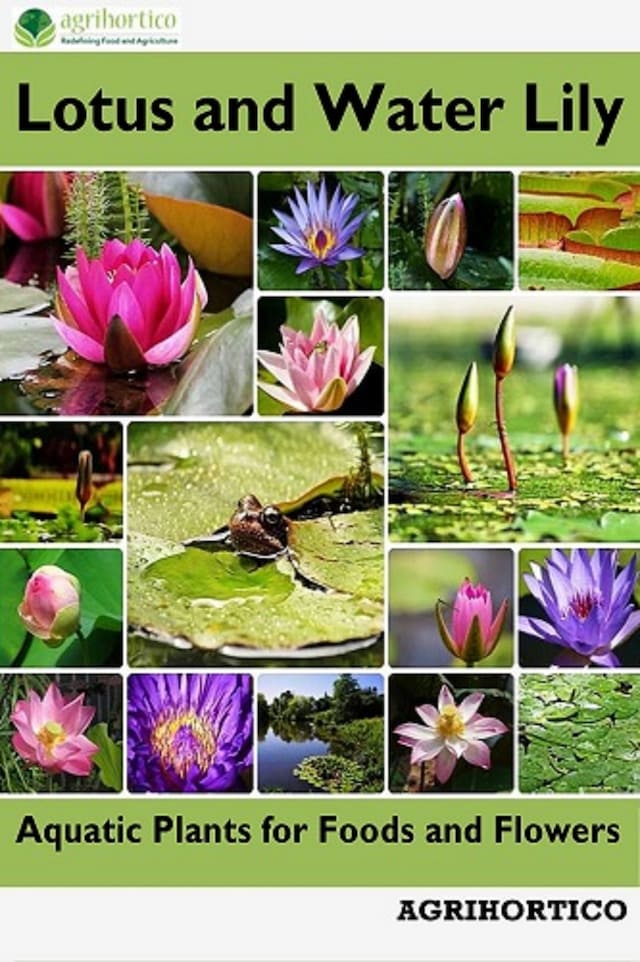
(277, 758)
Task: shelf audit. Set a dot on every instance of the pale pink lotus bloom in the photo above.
(474, 632)
(317, 372)
(450, 732)
(128, 308)
(50, 732)
(50, 608)
(36, 207)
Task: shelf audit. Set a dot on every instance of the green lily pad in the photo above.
(578, 733)
(556, 270)
(606, 189)
(15, 298)
(185, 480)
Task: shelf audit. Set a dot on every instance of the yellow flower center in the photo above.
(321, 347)
(320, 242)
(182, 739)
(51, 735)
(450, 723)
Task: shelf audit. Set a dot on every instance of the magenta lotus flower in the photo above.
(318, 372)
(50, 732)
(474, 632)
(450, 732)
(36, 207)
(50, 608)
(128, 308)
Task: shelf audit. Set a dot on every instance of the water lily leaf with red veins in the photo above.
(544, 219)
(218, 239)
(606, 188)
(557, 270)
(620, 244)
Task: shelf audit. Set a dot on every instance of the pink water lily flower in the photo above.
(450, 732)
(50, 732)
(36, 206)
(474, 632)
(317, 372)
(128, 308)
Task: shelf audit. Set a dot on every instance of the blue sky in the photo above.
(312, 685)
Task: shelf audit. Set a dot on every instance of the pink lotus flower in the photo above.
(474, 631)
(50, 732)
(445, 237)
(450, 732)
(50, 608)
(319, 372)
(128, 308)
(37, 202)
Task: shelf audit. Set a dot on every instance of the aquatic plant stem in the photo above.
(502, 434)
(462, 459)
(565, 448)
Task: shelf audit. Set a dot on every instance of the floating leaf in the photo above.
(544, 219)
(19, 299)
(556, 270)
(621, 244)
(602, 188)
(218, 377)
(218, 238)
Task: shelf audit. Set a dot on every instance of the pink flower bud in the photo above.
(474, 632)
(566, 397)
(446, 236)
(50, 608)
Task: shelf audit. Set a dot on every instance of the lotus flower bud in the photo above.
(504, 345)
(474, 632)
(468, 400)
(50, 608)
(566, 397)
(446, 236)
(84, 480)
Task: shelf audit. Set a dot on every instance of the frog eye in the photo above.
(271, 515)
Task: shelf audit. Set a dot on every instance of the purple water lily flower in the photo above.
(588, 606)
(318, 230)
(189, 733)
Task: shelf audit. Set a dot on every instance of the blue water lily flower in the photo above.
(189, 733)
(588, 605)
(318, 230)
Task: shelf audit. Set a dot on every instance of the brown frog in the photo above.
(257, 531)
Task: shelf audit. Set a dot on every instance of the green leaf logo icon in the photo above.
(34, 28)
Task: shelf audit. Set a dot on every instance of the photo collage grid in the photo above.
(319, 482)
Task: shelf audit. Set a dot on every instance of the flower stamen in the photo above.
(182, 739)
(583, 604)
(450, 724)
(51, 735)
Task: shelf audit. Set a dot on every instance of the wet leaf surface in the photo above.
(185, 481)
(580, 733)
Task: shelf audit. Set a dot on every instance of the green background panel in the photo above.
(184, 77)
(310, 863)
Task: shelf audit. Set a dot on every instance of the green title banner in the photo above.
(318, 109)
(277, 842)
